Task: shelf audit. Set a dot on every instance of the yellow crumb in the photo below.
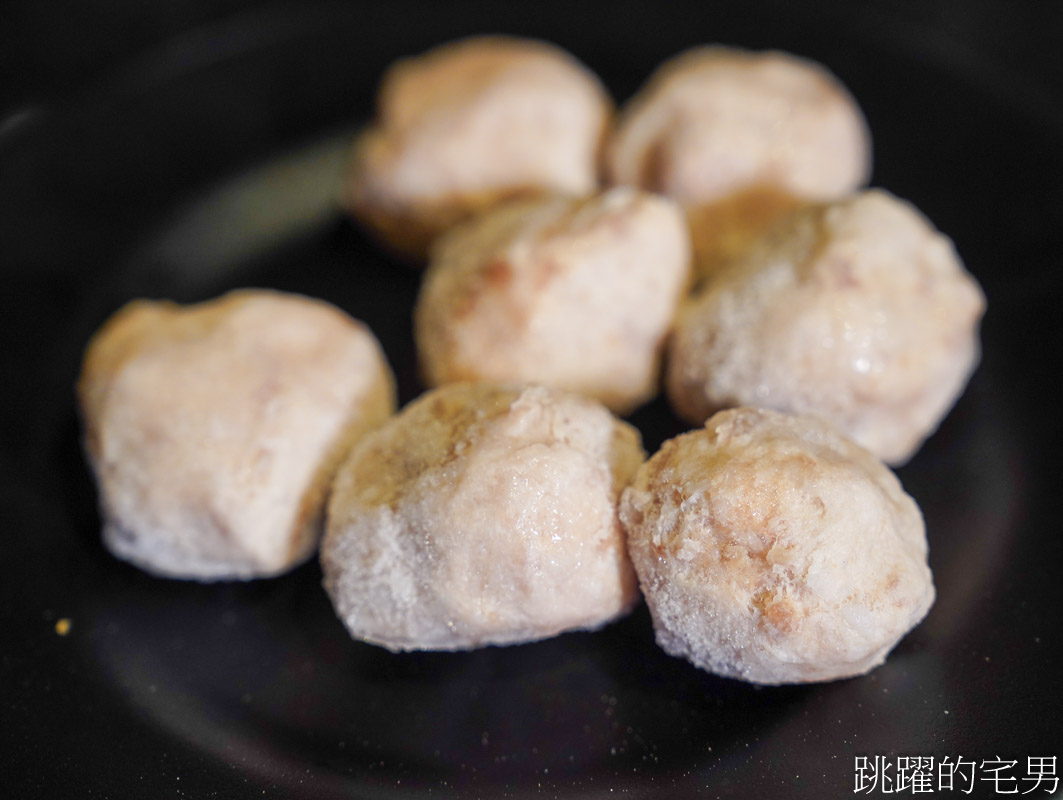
(62, 626)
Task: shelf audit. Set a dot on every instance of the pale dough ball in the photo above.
(215, 429)
(740, 138)
(471, 123)
(859, 312)
(772, 549)
(575, 294)
(482, 515)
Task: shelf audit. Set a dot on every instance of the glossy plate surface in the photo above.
(213, 163)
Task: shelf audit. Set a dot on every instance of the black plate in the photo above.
(211, 163)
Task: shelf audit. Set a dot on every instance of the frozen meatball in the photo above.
(482, 515)
(739, 139)
(576, 294)
(471, 123)
(215, 429)
(772, 549)
(859, 312)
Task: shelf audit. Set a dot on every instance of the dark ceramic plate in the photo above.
(212, 163)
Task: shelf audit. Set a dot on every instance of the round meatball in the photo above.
(482, 515)
(215, 429)
(576, 294)
(859, 312)
(471, 123)
(739, 139)
(772, 549)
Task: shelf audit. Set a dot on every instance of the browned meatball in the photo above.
(772, 549)
(214, 429)
(577, 294)
(471, 123)
(740, 138)
(858, 311)
(482, 515)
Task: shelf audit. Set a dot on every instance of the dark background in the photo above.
(122, 121)
(49, 51)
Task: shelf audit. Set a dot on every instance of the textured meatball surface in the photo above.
(214, 429)
(576, 294)
(858, 311)
(772, 549)
(481, 515)
(740, 138)
(471, 123)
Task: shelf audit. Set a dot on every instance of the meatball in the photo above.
(858, 311)
(482, 515)
(214, 429)
(471, 123)
(739, 139)
(772, 549)
(576, 294)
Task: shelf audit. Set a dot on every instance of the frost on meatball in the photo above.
(740, 138)
(482, 515)
(576, 294)
(772, 549)
(214, 429)
(859, 312)
(471, 123)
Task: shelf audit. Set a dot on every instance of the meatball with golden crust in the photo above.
(469, 124)
(858, 311)
(740, 138)
(214, 429)
(772, 549)
(482, 515)
(576, 294)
